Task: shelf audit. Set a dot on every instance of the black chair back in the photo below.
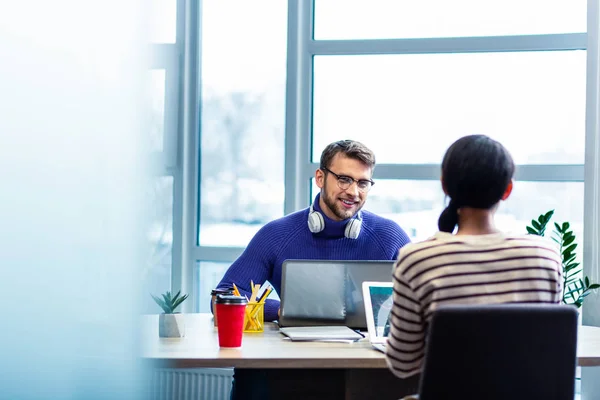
(503, 352)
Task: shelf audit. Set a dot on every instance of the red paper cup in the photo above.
(230, 313)
(214, 294)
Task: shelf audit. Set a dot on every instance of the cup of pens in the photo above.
(254, 318)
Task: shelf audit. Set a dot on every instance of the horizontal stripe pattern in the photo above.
(450, 269)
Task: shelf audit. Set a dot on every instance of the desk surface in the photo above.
(200, 348)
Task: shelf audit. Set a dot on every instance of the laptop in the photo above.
(328, 292)
(378, 297)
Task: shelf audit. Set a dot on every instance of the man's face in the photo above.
(339, 204)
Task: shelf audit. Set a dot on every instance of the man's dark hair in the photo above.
(476, 171)
(350, 149)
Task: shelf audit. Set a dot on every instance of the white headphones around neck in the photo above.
(316, 223)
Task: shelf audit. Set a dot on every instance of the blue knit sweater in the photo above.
(289, 238)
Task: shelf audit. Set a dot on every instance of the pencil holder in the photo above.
(254, 320)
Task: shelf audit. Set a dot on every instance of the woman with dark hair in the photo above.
(477, 264)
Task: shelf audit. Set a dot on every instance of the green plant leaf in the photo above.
(568, 240)
(570, 270)
(174, 299)
(179, 301)
(565, 226)
(575, 290)
(532, 231)
(167, 300)
(570, 249)
(161, 303)
(571, 263)
(594, 286)
(536, 225)
(568, 259)
(557, 227)
(572, 275)
(587, 281)
(569, 281)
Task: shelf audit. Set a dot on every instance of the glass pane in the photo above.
(530, 199)
(163, 27)
(388, 19)
(207, 275)
(243, 119)
(409, 108)
(416, 205)
(157, 274)
(157, 109)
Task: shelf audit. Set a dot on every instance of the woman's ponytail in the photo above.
(448, 218)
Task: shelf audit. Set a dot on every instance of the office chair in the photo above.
(507, 352)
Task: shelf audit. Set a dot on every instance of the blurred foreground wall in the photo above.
(71, 214)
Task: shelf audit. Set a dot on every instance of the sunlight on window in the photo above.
(409, 108)
(163, 27)
(157, 269)
(157, 108)
(242, 118)
(417, 205)
(387, 19)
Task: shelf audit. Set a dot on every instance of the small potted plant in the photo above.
(170, 323)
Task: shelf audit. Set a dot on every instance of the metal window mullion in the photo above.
(590, 384)
(568, 41)
(171, 130)
(591, 252)
(298, 105)
(533, 173)
(185, 222)
(217, 254)
(162, 55)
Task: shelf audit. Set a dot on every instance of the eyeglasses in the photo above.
(344, 182)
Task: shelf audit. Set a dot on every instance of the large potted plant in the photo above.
(170, 323)
(576, 286)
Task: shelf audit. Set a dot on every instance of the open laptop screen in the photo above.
(328, 292)
(378, 305)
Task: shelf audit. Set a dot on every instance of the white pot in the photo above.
(171, 325)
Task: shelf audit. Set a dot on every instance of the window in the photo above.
(163, 17)
(162, 124)
(157, 110)
(409, 108)
(441, 74)
(387, 19)
(242, 119)
(417, 204)
(207, 275)
(157, 274)
(407, 79)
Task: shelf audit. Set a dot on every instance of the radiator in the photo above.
(191, 384)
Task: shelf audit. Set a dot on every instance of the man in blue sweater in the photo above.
(333, 228)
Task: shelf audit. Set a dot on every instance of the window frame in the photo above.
(299, 168)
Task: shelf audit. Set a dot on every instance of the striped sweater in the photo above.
(464, 269)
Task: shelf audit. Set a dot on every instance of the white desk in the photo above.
(351, 369)
(200, 348)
